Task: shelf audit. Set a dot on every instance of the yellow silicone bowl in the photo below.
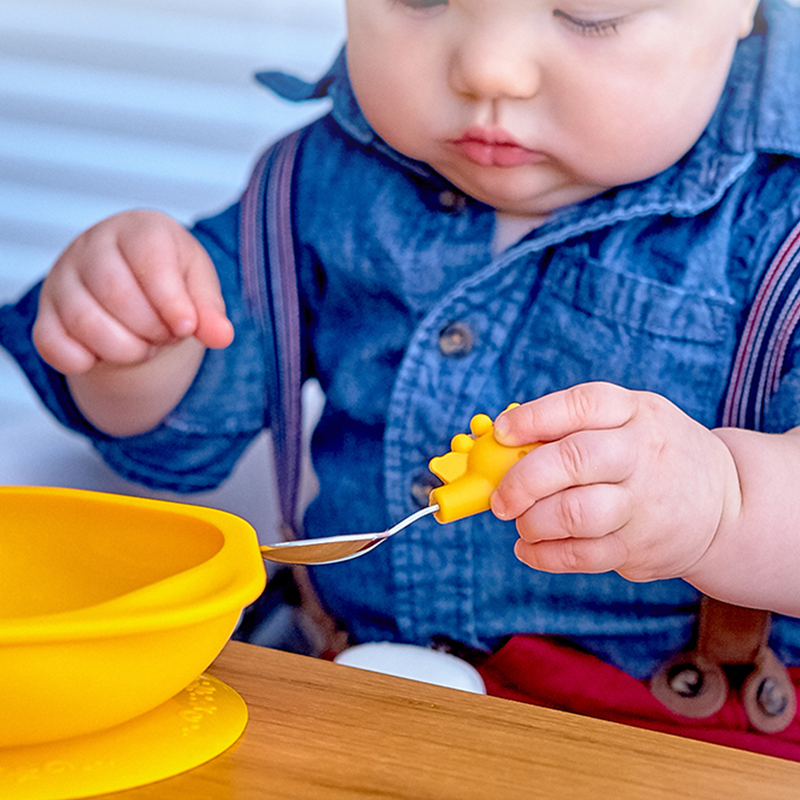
(111, 605)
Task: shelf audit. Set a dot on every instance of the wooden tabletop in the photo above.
(322, 731)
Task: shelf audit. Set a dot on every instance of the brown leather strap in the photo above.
(324, 633)
(729, 634)
(768, 694)
(730, 648)
(326, 636)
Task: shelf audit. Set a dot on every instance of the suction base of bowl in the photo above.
(195, 726)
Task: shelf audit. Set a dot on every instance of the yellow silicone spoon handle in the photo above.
(472, 470)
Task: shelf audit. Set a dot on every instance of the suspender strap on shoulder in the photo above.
(269, 277)
(270, 286)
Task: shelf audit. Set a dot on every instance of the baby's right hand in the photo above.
(124, 289)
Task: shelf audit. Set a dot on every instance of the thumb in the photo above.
(514, 426)
(213, 328)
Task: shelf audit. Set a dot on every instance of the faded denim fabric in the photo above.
(412, 325)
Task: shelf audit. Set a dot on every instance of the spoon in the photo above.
(333, 549)
(471, 471)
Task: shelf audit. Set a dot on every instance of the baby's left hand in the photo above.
(624, 481)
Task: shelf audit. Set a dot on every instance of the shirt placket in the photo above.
(442, 381)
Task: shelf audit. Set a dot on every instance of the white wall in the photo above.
(112, 104)
(105, 104)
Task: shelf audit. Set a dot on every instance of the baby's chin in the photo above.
(539, 207)
(534, 191)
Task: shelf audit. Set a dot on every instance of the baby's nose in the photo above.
(496, 63)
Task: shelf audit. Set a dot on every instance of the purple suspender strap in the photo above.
(693, 683)
(772, 320)
(270, 288)
(269, 279)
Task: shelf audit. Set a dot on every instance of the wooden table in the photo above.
(322, 731)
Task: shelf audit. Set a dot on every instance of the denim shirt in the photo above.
(412, 325)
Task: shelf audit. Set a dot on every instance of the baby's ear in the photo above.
(749, 8)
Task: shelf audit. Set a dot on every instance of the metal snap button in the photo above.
(771, 698)
(685, 680)
(456, 340)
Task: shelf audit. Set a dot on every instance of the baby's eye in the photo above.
(590, 27)
(420, 4)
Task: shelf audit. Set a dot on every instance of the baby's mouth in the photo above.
(491, 147)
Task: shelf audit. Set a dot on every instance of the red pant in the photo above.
(548, 673)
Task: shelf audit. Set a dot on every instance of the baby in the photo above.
(568, 204)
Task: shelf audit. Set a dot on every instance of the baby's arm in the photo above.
(754, 558)
(628, 482)
(126, 314)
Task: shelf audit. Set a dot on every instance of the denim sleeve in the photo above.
(16, 325)
(197, 445)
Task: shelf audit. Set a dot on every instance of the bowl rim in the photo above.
(239, 560)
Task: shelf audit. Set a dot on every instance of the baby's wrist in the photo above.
(717, 564)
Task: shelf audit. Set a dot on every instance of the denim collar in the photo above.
(777, 123)
(335, 84)
(759, 111)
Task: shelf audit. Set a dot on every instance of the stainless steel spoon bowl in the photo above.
(333, 549)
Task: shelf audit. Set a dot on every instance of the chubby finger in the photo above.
(180, 281)
(84, 322)
(580, 459)
(556, 415)
(213, 329)
(586, 512)
(159, 263)
(603, 554)
(114, 287)
(57, 347)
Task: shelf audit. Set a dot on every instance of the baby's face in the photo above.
(529, 105)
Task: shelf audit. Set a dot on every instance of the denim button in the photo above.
(456, 340)
(421, 487)
(452, 201)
